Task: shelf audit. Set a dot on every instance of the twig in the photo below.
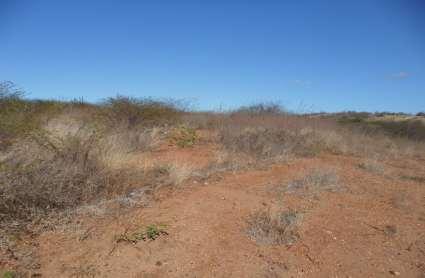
(374, 227)
(116, 242)
(309, 257)
(86, 234)
(113, 249)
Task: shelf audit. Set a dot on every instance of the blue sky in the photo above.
(309, 55)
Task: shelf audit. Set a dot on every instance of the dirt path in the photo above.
(373, 227)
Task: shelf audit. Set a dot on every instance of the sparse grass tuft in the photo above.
(372, 165)
(320, 179)
(281, 228)
(178, 173)
(414, 178)
(81, 271)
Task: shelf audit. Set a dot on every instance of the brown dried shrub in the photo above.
(42, 176)
(269, 229)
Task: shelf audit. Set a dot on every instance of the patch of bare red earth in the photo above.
(342, 234)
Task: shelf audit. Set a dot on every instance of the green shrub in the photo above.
(150, 232)
(9, 274)
(410, 129)
(184, 136)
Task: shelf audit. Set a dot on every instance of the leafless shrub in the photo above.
(279, 136)
(277, 144)
(81, 271)
(52, 176)
(120, 144)
(178, 173)
(400, 200)
(261, 109)
(417, 179)
(320, 179)
(19, 116)
(372, 165)
(225, 161)
(128, 112)
(281, 228)
(203, 120)
(309, 134)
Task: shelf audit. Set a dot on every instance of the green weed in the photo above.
(150, 232)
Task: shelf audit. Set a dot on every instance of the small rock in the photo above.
(395, 273)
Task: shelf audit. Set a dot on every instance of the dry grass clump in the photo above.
(158, 174)
(64, 155)
(320, 179)
(418, 179)
(269, 133)
(257, 142)
(203, 120)
(178, 173)
(273, 143)
(120, 145)
(19, 117)
(372, 165)
(39, 177)
(83, 270)
(280, 228)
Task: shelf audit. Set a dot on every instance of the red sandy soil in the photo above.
(342, 234)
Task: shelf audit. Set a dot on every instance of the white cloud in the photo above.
(400, 75)
(303, 83)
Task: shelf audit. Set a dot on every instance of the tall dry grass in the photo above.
(39, 177)
(60, 155)
(272, 136)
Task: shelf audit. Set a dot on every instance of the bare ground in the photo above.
(373, 227)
